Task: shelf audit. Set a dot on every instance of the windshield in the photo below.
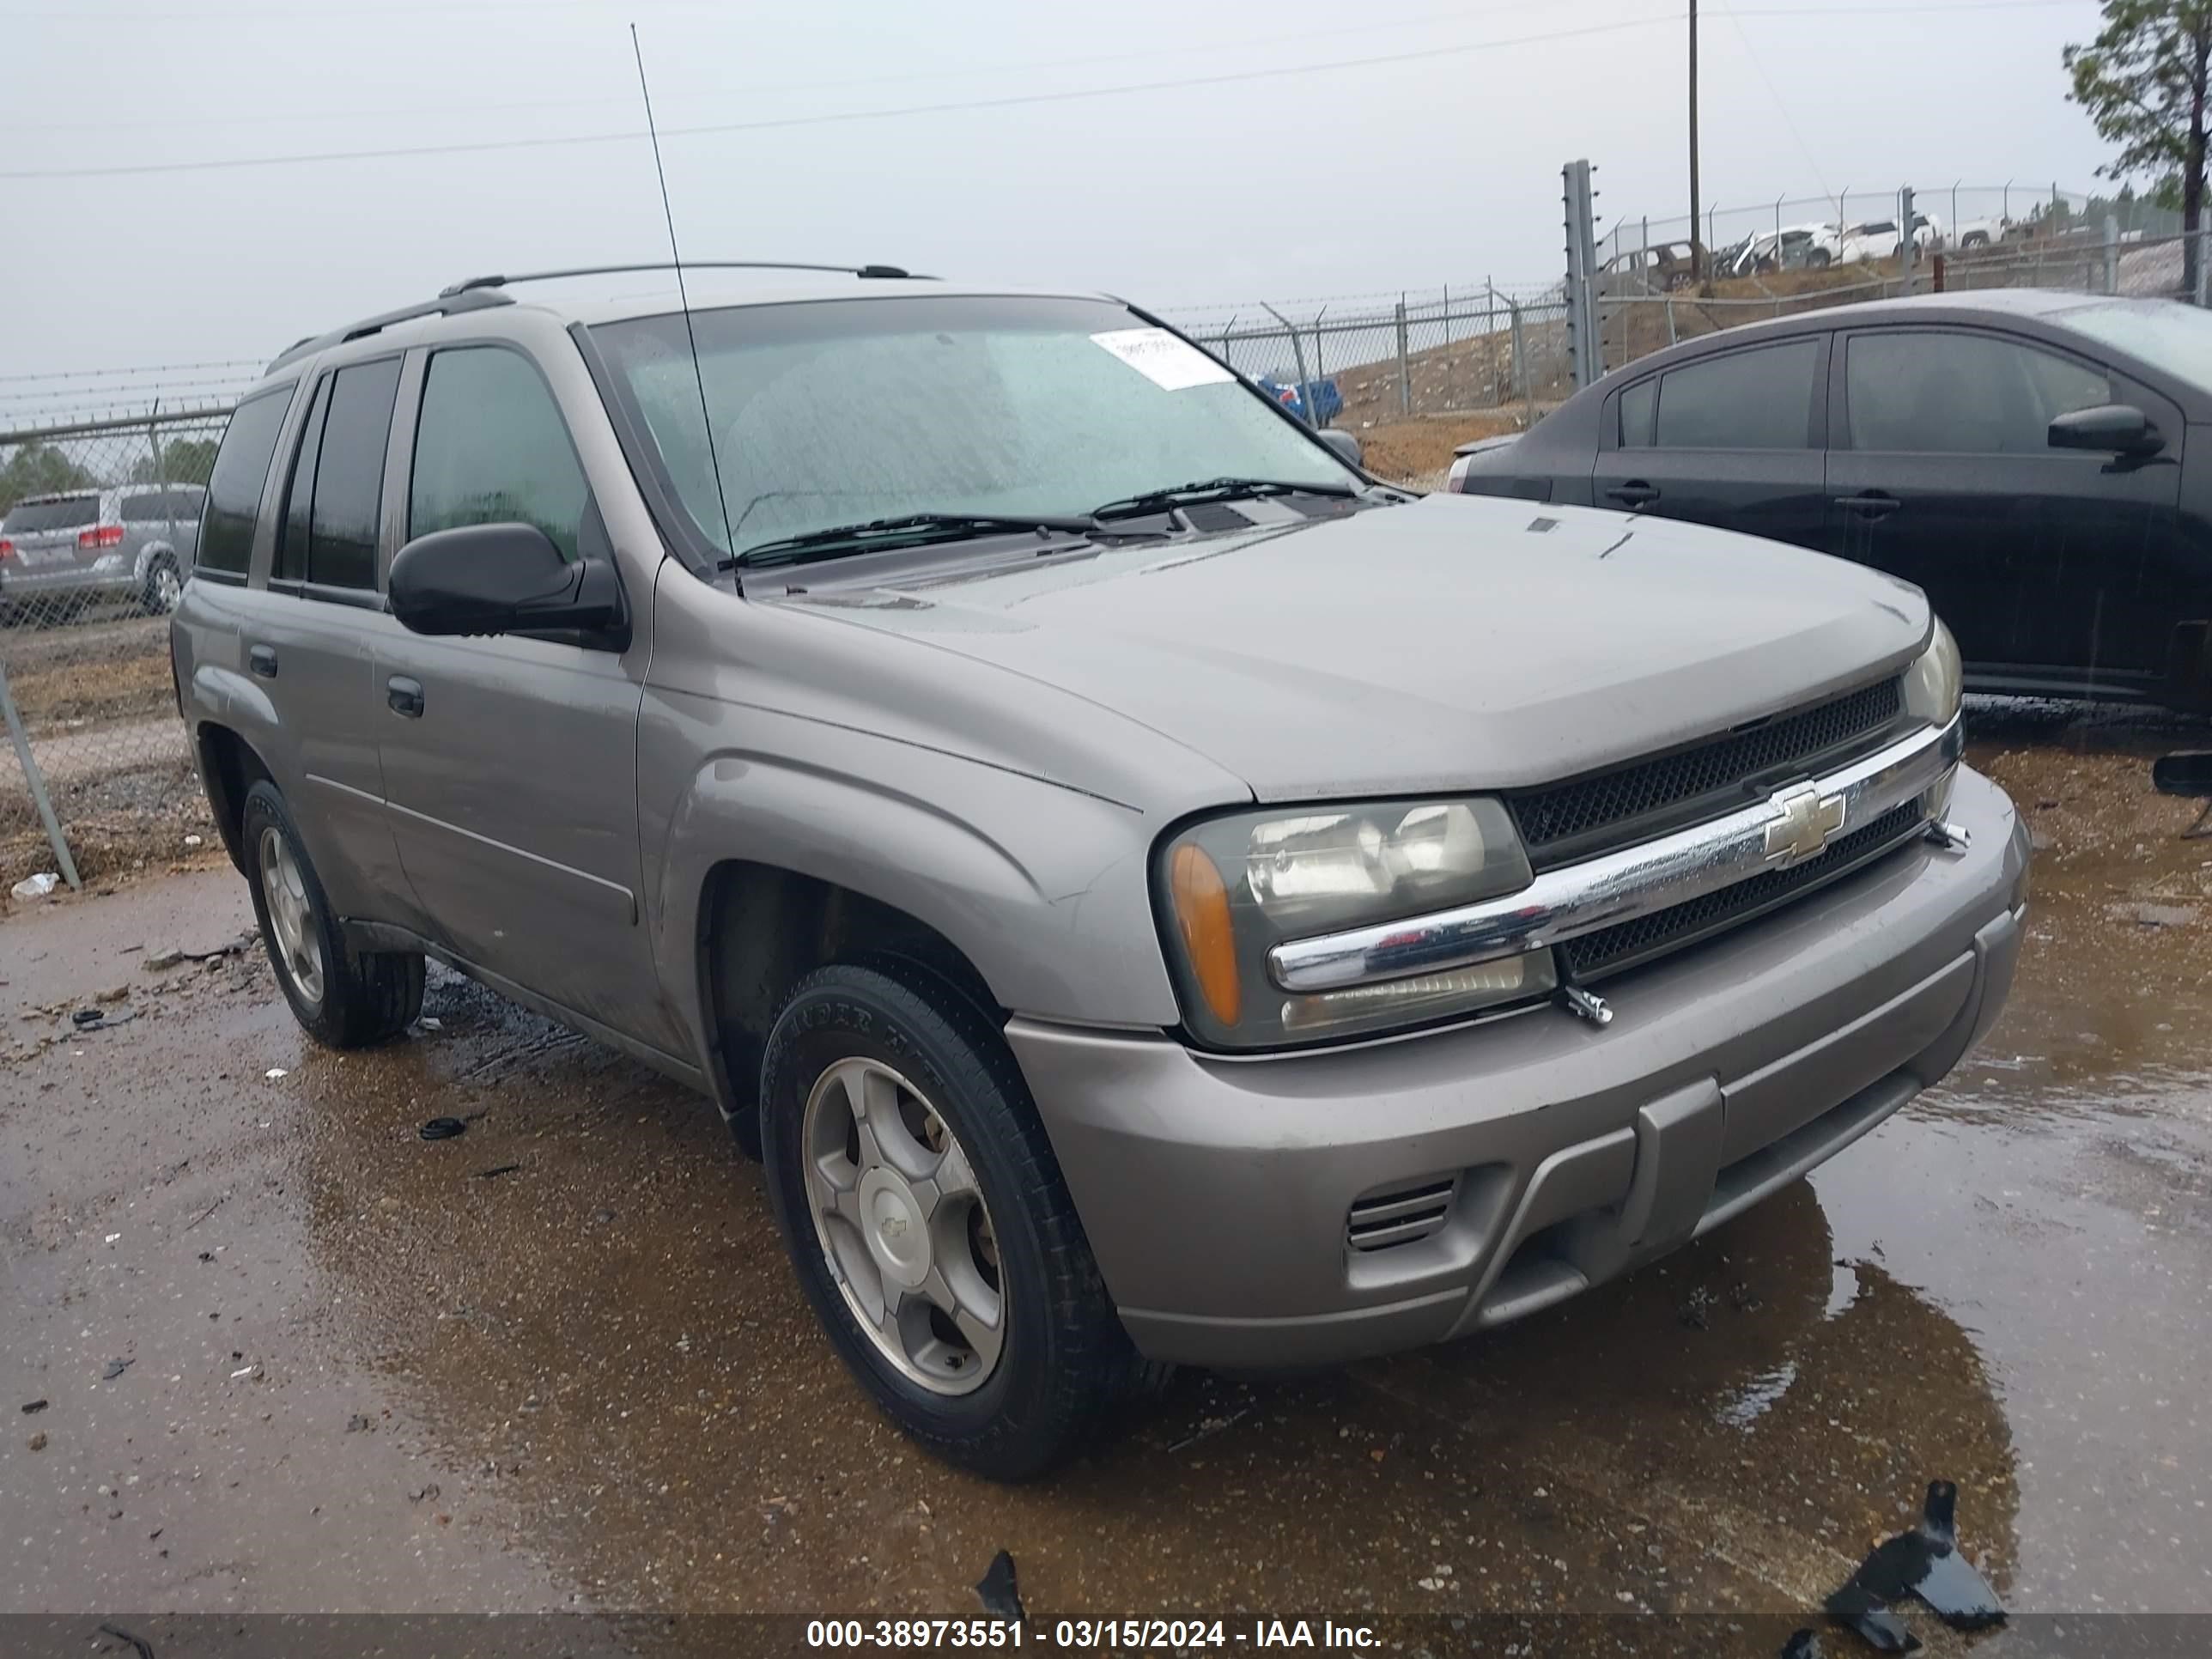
(29, 517)
(841, 412)
(2175, 336)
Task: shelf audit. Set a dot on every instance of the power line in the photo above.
(1010, 102)
(1152, 54)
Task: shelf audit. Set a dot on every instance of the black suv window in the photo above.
(1757, 400)
(331, 511)
(1924, 392)
(242, 468)
(491, 448)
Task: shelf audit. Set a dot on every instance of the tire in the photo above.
(1819, 259)
(344, 999)
(165, 586)
(1061, 1360)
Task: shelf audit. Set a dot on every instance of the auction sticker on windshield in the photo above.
(1162, 358)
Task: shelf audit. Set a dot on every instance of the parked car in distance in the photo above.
(1877, 239)
(59, 552)
(1149, 893)
(2024, 458)
(1314, 402)
(1658, 268)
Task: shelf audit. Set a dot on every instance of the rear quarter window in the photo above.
(29, 517)
(241, 469)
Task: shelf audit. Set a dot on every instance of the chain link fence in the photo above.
(99, 524)
(1368, 360)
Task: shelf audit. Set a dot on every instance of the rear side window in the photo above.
(161, 506)
(1640, 404)
(29, 517)
(491, 448)
(1759, 399)
(331, 511)
(241, 469)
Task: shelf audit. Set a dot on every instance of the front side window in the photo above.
(1756, 399)
(491, 448)
(1920, 391)
(241, 469)
(839, 412)
(331, 511)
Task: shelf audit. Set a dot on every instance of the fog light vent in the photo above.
(1400, 1215)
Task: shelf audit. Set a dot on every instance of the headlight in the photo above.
(1931, 691)
(1233, 888)
(1932, 683)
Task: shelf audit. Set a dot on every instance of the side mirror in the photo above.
(1344, 444)
(501, 579)
(2109, 429)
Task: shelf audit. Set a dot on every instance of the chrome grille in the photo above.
(1610, 950)
(1647, 798)
(1401, 1215)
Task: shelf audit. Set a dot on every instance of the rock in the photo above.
(37, 1442)
(113, 994)
(159, 956)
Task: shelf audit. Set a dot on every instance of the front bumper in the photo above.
(1215, 1192)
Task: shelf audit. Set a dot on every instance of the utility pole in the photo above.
(1697, 253)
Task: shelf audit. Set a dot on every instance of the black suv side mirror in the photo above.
(2108, 429)
(504, 578)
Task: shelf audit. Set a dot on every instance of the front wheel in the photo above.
(929, 1225)
(344, 999)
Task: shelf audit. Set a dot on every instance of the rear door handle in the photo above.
(262, 659)
(405, 696)
(1634, 493)
(1870, 504)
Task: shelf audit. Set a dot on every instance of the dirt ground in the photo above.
(297, 1359)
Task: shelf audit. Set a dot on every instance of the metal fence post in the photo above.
(1448, 333)
(1584, 348)
(2112, 253)
(36, 783)
(1298, 352)
(1524, 373)
(1405, 364)
(2203, 269)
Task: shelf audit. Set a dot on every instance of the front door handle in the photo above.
(1870, 504)
(1634, 493)
(262, 659)
(405, 696)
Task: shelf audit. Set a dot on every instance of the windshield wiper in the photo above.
(911, 527)
(1213, 489)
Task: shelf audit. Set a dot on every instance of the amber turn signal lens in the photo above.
(1201, 907)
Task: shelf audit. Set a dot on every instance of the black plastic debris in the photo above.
(1001, 1596)
(84, 1017)
(145, 1648)
(443, 1128)
(115, 1369)
(1802, 1644)
(1925, 1564)
(497, 1170)
(32, 1407)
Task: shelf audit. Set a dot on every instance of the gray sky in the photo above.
(1356, 178)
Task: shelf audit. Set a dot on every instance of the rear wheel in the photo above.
(344, 999)
(1818, 259)
(165, 586)
(929, 1225)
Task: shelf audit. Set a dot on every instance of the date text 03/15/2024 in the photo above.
(1088, 1633)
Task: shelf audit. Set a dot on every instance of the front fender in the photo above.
(1043, 888)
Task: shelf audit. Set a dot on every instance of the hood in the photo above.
(1453, 642)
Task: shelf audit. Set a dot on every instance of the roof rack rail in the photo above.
(885, 273)
(452, 299)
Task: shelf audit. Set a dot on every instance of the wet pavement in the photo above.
(559, 1362)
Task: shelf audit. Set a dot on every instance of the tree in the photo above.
(2141, 81)
(40, 470)
(184, 460)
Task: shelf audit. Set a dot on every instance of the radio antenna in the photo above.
(683, 299)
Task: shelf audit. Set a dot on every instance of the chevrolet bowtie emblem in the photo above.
(1806, 819)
